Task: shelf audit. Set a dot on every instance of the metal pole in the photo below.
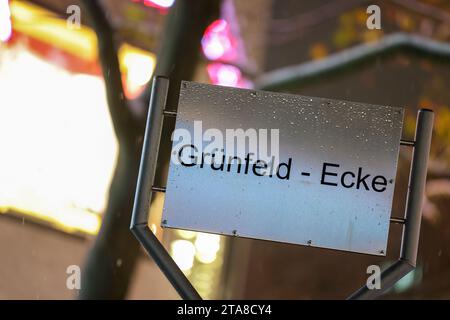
(414, 202)
(149, 156)
(144, 193)
(417, 181)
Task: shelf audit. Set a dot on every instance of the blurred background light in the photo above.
(183, 252)
(185, 234)
(220, 46)
(161, 4)
(218, 42)
(224, 74)
(153, 228)
(48, 28)
(5, 21)
(207, 246)
(43, 147)
(51, 86)
(200, 255)
(137, 67)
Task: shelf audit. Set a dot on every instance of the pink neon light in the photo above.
(163, 4)
(218, 43)
(224, 75)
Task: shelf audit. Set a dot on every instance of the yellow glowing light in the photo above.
(56, 138)
(155, 213)
(185, 234)
(69, 219)
(45, 26)
(183, 252)
(207, 246)
(138, 66)
(206, 257)
(57, 142)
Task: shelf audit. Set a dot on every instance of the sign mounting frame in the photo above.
(145, 188)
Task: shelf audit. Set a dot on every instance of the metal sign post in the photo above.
(414, 203)
(144, 192)
(145, 189)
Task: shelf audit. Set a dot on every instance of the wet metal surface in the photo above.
(326, 201)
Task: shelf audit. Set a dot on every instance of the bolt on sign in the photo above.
(283, 167)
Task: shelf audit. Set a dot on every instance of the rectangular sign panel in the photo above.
(283, 167)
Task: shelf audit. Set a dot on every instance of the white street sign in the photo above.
(283, 167)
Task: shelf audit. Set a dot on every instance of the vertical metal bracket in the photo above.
(144, 192)
(413, 216)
